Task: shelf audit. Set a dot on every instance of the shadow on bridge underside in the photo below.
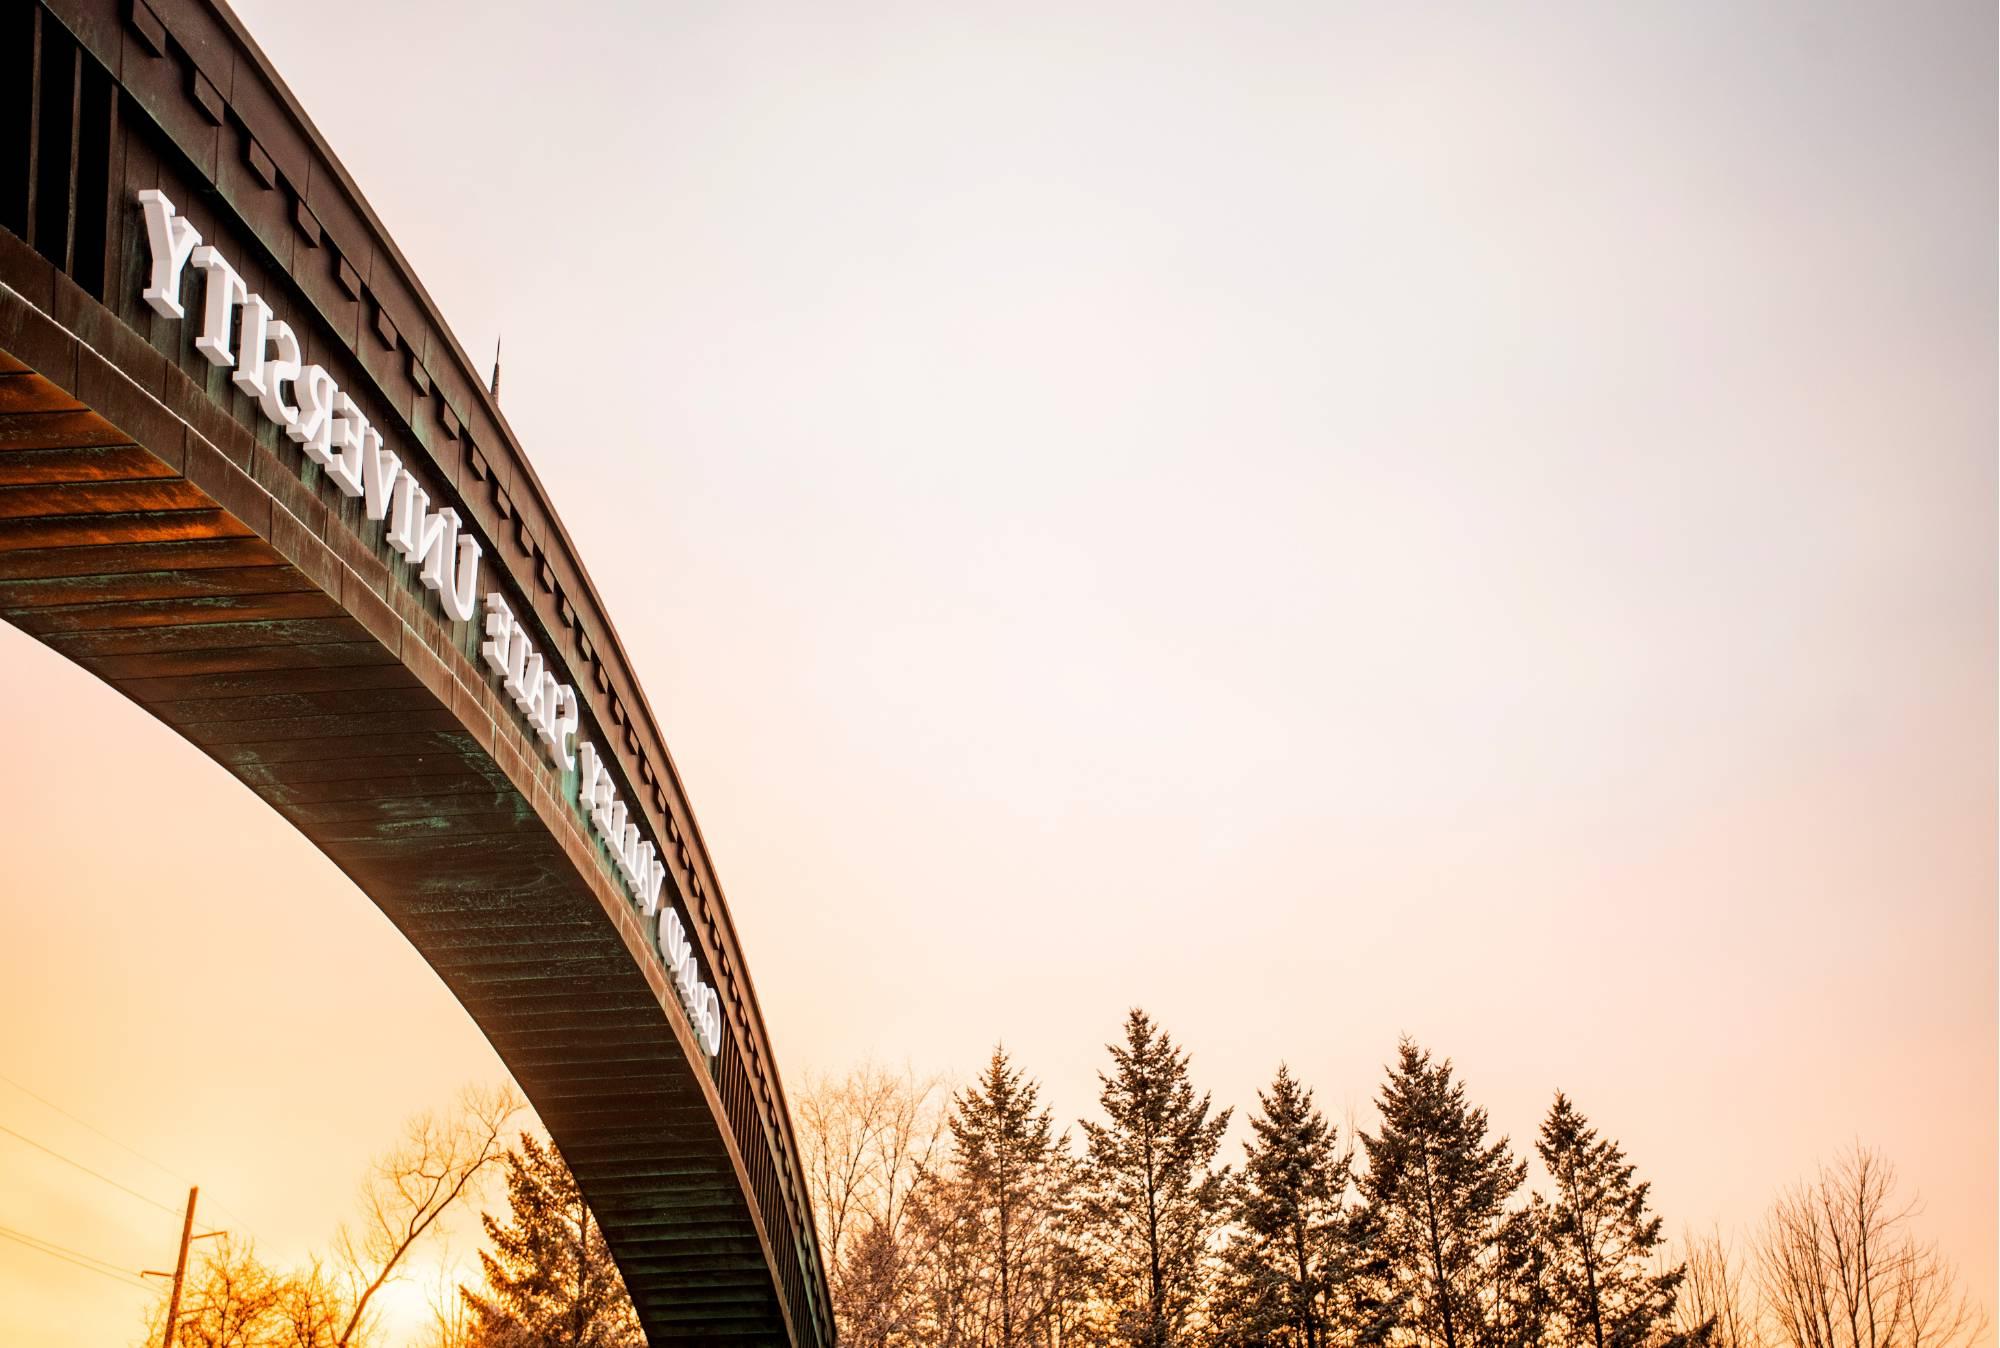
(159, 530)
(204, 581)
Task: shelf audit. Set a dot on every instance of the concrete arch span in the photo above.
(477, 756)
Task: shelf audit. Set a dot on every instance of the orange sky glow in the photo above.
(1328, 524)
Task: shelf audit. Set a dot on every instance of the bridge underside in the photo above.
(152, 540)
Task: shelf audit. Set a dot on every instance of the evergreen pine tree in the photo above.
(1153, 1199)
(1517, 1308)
(1601, 1238)
(550, 1282)
(1437, 1191)
(1287, 1264)
(1006, 1156)
(1077, 1314)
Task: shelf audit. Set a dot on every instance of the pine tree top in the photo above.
(996, 1128)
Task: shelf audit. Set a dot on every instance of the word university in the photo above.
(306, 403)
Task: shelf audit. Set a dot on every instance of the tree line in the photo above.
(964, 1219)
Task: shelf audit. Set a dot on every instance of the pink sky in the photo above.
(1324, 524)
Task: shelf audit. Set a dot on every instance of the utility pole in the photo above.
(180, 1271)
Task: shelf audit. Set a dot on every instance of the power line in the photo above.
(88, 1171)
(48, 1246)
(103, 1268)
(126, 1147)
(129, 1150)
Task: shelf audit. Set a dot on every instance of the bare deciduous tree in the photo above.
(1840, 1266)
(1714, 1295)
(311, 1307)
(234, 1300)
(228, 1302)
(412, 1185)
(867, 1137)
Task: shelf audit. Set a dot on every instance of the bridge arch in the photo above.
(478, 757)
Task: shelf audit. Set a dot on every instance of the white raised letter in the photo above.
(173, 239)
(601, 796)
(670, 938)
(545, 718)
(457, 597)
(249, 374)
(711, 1014)
(221, 293)
(566, 719)
(524, 668)
(628, 853)
(414, 531)
(499, 635)
(589, 770)
(279, 371)
(634, 868)
(527, 691)
(437, 558)
(379, 468)
(348, 444)
(648, 889)
(314, 423)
